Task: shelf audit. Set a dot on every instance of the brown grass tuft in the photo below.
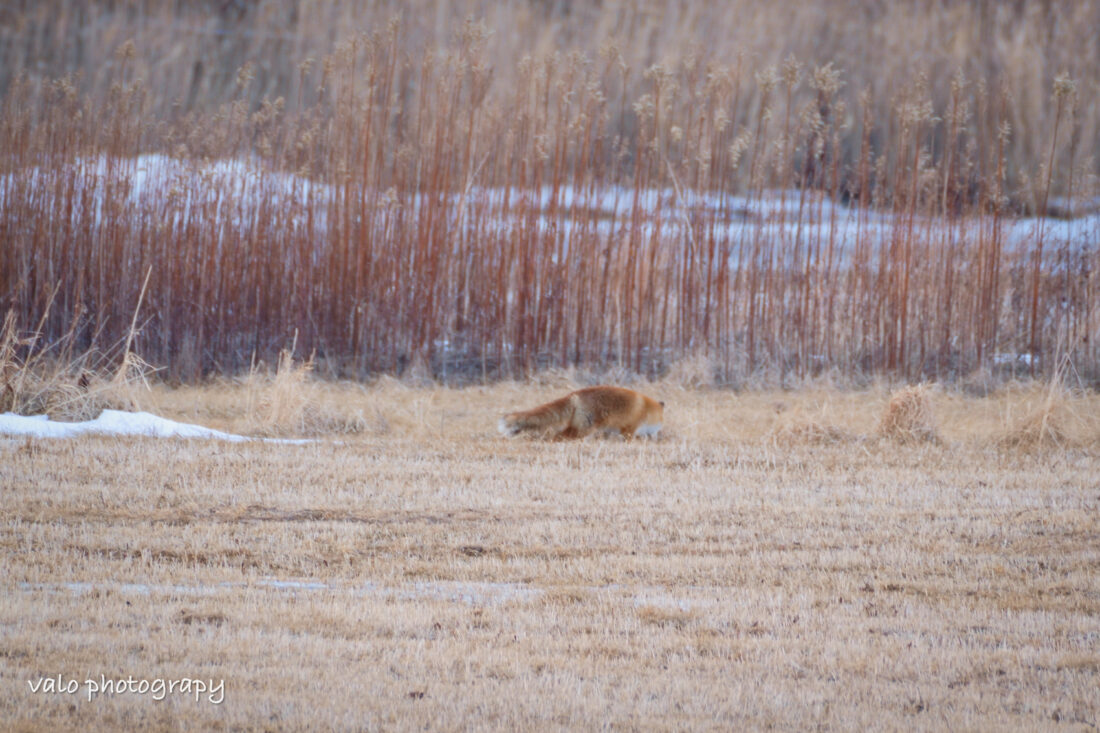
(810, 431)
(666, 617)
(290, 402)
(191, 616)
(38, 379)
(692, 372)
(1049, 421)
(909, 416)
(278, 402)
(809, 426)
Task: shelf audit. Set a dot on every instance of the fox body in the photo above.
(586, 410)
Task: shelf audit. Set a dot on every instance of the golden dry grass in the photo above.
(424, 572)
(909, 415)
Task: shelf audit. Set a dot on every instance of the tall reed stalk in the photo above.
(439, 209)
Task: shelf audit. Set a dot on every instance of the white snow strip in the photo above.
(469, 593)
(118, 423)
(465, 592)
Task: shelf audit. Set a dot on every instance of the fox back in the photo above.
(586, 410)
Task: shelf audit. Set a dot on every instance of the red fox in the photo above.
(592, 408)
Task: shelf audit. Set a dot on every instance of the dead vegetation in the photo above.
(41, 378)
(1047, 417)
(288, 402)
(718, 576)
(490, 195)
(811, 431)
(908, 415)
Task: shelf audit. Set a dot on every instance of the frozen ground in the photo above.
(769, 563)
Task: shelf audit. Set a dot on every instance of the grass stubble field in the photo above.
(475, 192)
(799, 560)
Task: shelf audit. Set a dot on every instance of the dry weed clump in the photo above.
(566, 378)
(289, 402)
(1053, 420)
(979, 383)
(694, 371)
(36, 379)
(677, 618)
(67, 395)
(811, 431)
(908, 415)
(796, 424)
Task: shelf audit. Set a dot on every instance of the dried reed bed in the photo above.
(189, 54)
(460, 208)
(427, 572)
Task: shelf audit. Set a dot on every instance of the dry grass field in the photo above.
(796, 560)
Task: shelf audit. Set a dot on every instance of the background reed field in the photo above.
(478, 190)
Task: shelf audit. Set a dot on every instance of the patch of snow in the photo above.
(469, 593)
(117, 423)
(292, 584)
(237, 201)
(1013, 359)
